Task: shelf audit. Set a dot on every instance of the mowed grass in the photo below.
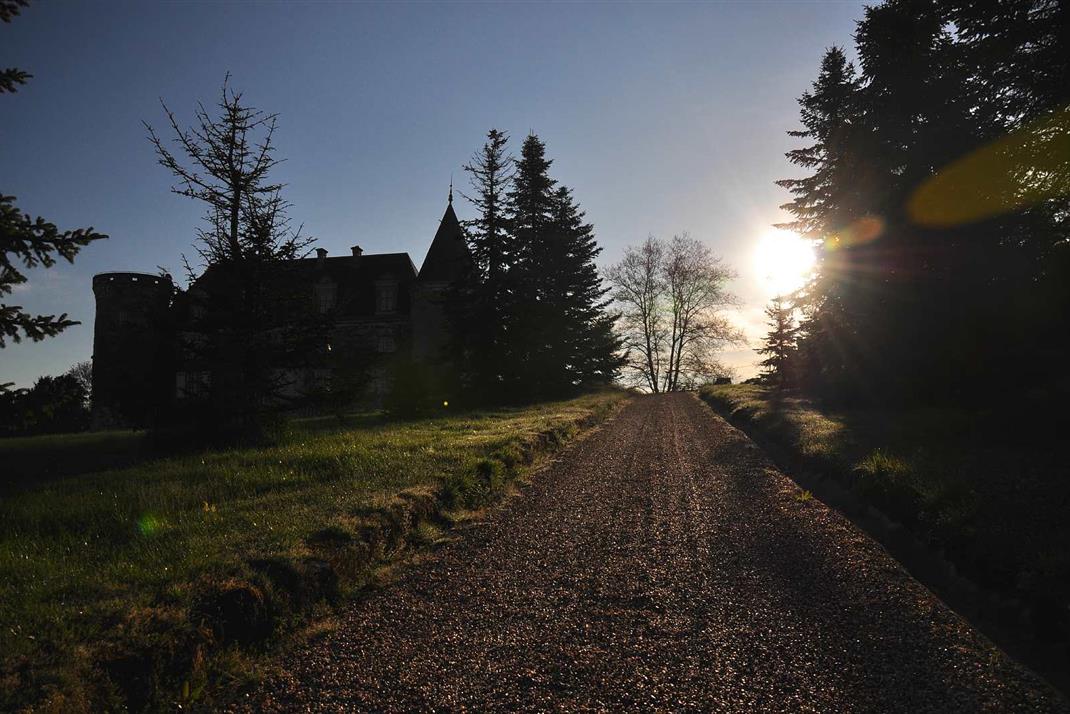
(81, 552)
(974, 483)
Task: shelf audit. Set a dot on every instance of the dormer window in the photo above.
(386, 298)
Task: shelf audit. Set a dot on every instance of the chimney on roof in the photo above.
(321, 255)
(357, 251)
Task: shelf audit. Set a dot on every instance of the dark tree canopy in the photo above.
(53, 405)
(938, 187)
(480, 314)
(536, 320)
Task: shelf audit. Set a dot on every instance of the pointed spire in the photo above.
(448, 256)
(451, 190)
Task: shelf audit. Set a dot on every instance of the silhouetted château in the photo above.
(379, 308)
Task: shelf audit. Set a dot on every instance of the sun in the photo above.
(784, 261)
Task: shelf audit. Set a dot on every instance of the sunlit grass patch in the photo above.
(79, 554)
(879, 463)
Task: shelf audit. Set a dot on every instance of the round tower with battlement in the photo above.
(132, 348)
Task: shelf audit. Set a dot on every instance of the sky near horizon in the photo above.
(663, 118)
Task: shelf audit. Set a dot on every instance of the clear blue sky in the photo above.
(663, 117)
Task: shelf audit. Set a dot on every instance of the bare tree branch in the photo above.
(670, 295)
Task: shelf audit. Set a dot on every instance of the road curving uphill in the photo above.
(661, 563)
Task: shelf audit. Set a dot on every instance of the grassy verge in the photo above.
(141, 587)
(995, 505)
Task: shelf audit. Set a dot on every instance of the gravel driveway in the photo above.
(661, 563)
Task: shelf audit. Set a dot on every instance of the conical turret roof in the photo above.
(448, 257)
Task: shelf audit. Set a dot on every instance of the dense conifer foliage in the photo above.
(536, 322)
(480, 308)
(937, 187)
(780, 342)
(11, 76)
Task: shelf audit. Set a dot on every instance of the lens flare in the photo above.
(149, 524)
(864, 230)
(1020, 170)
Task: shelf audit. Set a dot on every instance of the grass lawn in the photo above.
(968, 482)
(31, 460)
(84, 556)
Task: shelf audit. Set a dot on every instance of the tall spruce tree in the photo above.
(491, 174)
(480, 308)
(830, 206)
(559, 335)
(587, 351)
(827, 201)
(527, 359)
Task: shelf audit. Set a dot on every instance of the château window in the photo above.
(326, 293)
(386, 343)
(192, 385)
(386, 298)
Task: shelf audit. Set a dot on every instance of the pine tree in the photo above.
(491, 174)
(827, 201)
(28, 243)
(526, 356)
(780, 343)
(558, 336)
(11, 77)
(479, 307)
(247, 234)
(585, 349)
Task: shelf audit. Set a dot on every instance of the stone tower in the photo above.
(132, 348)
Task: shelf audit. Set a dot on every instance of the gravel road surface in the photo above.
(662, 563)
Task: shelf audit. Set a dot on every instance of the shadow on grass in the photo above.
(987, 488)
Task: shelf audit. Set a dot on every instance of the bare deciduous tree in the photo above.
(638, 291)
(671, 296)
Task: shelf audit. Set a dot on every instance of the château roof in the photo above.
(355, 278)
(448, 257)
